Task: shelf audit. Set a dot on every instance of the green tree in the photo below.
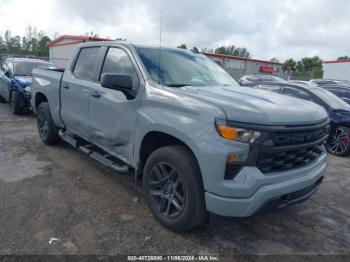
(309, 64)
(2, 45)
(182, 46)
(274, 59)
(32, 43)
(344, 58)
(289, 66)
(195, 50)
(42, 49)
(232, 50)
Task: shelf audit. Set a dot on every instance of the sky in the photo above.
(267, 28)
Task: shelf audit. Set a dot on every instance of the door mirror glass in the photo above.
(118, 82)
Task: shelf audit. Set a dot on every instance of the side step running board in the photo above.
(95, 153)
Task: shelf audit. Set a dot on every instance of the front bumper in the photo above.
(264, 188)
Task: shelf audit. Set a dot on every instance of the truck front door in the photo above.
(75, 90)
(112, 116)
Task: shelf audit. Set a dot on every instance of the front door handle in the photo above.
(95, 94)
(65, 86)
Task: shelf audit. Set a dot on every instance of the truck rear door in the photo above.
(75, 90)
(112, 117)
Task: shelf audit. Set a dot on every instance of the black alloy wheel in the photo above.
(43, 125)
(167, 190)
(339, 141)
(173, 188)
(47, 129)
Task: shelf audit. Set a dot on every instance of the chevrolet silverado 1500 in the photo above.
(173, 118)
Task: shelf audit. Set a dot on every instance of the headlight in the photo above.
(28, 89)
(236, 133)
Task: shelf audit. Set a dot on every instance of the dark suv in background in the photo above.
(338, 142)
(16, 81)
(340, 88)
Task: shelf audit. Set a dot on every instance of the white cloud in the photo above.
(269, 28)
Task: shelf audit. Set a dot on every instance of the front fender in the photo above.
(193, 122)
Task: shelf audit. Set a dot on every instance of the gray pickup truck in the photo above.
(173, 118)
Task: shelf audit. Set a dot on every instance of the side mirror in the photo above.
(119, 82)
(7, 74)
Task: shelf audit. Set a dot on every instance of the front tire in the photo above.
(2, 100)
(338, 142)
(173, 188)
(47, 129)
(17, 103)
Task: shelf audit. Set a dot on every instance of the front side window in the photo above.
(118, 62)
(172, 67)
(84, 67)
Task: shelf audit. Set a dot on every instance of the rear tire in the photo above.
(47, 129)
(338, 142)
(173, 188)
(17, 103)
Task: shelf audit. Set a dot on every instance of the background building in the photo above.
(338, 70)
(61, 49)
(240, 66)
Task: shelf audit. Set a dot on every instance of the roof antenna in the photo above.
(160, 45)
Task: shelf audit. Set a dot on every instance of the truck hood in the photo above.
(24, 80)
(249, 105)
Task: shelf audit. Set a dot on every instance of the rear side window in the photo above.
(84, 67)
(118, 62)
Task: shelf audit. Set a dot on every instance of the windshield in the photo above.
(174, 67)
(26, 68)
(330, 99)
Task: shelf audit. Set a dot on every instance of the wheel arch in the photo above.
(38, 99)
(153, 140)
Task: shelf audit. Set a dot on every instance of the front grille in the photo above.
(281, 161)
(297, 138)
(285, 150)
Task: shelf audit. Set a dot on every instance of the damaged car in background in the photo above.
(16, 81)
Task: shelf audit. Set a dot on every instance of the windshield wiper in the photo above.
(177, 85)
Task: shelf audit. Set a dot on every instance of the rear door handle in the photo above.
(65, 86)
(95, 94)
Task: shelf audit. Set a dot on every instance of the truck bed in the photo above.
(48, 83)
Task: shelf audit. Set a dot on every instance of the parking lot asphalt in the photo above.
(55, 200)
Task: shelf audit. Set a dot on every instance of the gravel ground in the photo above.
(55, 200)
